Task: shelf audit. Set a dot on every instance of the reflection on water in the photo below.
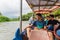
(7, 29)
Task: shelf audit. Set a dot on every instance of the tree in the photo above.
(4, 19)
(57, 12)
(26, 17)
(15, 19)
(0, 13)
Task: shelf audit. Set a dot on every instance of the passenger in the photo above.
(31, 20)
(50, 33)
(47, 19)
(38, 24)
(23, 35)
(51, 24)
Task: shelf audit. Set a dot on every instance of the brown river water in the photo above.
(8, 29)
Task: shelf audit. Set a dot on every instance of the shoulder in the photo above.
(35, 21)
(49, 20)
(56, 20)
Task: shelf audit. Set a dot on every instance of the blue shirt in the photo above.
(39, 24)
(46, 22)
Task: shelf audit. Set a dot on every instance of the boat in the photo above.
(43, 7)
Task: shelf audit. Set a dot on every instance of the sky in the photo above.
(11, 8)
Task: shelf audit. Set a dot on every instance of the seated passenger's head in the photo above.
(51, 17)
(48, 17)
(38, 16)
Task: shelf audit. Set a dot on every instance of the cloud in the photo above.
(11, 8)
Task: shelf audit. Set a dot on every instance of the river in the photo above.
(7, 29)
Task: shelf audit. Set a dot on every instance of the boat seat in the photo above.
(39, 35)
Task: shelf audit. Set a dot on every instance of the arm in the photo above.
(28, 27)
(55, 27)
(56, 35)
(45, 27)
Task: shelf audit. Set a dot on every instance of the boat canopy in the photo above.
(43, 6)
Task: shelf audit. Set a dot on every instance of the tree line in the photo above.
(26, 17)
(7, 19)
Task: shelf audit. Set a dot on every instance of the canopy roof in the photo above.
(43, 6)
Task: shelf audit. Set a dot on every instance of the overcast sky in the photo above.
(11, 8)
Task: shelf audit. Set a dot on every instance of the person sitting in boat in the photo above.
(47, 19)
(31, 20)
(51, 23)
(38, 24)
(22, 36)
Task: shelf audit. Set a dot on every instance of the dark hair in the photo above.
(39, 14)
(52, 16)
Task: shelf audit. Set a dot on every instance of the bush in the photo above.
(4, 19)
(56, 12)
(26, 16)
(15, 19)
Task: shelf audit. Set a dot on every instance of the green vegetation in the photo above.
(26, 17)
(0, 14)
(6, 19)
(3, 19)
(56, 12)
(14, 19)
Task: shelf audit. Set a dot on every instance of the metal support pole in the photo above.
(20, 16)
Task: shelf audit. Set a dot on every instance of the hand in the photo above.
(45, 27)
(28, 26)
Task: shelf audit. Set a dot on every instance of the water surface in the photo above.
(7, 29)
